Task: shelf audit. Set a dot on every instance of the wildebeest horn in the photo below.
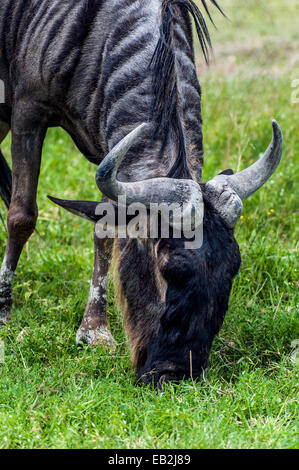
(151, 191)
(250, 180)
(107, 170)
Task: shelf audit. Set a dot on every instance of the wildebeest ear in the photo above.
(227, 172)
(84, 209)
(88, 210)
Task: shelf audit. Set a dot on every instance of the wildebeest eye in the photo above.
(229, 171)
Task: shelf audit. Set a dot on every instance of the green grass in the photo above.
(56, 395)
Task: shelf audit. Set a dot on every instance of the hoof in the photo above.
(100, 336)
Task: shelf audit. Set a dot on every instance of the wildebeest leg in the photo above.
(94, 329)
(27, 139)
(5, 172)
(4, 129)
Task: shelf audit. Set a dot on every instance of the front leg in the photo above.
(28, 132)
(94, 329)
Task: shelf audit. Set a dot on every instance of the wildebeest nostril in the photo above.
(165, 378)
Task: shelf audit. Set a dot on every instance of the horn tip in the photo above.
(277, 130)
(275, 125)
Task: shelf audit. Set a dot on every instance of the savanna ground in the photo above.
(53, 394)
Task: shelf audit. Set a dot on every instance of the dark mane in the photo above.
(165, 111)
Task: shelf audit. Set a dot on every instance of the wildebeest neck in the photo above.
(123, 80)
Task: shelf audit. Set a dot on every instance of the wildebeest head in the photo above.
(198, 281)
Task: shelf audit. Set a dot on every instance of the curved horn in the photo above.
(155, 190)
(107, 170)
(250, 180)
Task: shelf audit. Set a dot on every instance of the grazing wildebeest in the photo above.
(99, 69)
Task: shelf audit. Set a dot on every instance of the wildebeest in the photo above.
(99, 69)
